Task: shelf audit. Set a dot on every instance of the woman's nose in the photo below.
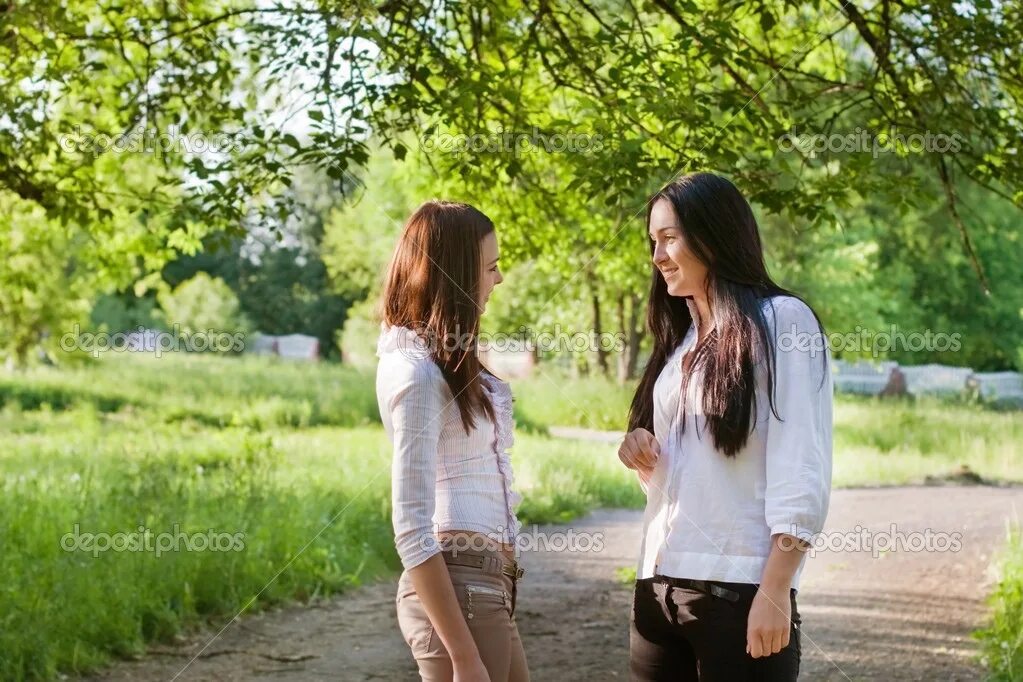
(659, 255)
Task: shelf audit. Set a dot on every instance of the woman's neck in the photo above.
(703, 317)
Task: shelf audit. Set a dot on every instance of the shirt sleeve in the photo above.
(798, 457)
(416, 402)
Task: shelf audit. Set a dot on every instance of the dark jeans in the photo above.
(682, 634)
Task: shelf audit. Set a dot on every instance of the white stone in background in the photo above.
(143, 341)
(298, 347)
(262, 344)
(290, 346)
(870, 378)
(935, 379)
(999, 385)
(862, 376)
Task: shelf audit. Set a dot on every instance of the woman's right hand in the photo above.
(471, 671)
(640, 451)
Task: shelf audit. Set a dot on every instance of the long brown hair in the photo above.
(718, 225)
(432, 287)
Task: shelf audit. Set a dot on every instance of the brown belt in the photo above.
(473, 560)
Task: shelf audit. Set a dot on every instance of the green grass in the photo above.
(292, 456)
(67, 610)
(217, 391)
(890, 443)
(1002, 640)
(876, 442)
(551, 397)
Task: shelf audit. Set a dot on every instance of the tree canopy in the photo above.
(156, 128)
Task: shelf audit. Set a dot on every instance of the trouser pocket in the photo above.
(485, 601)
(414, 623)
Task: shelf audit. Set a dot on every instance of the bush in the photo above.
(204, 305)
(358, 338)
(124, 313)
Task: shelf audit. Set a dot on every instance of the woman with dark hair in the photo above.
(730, 434)
(450, 422)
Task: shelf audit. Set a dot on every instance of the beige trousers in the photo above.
(487, 602)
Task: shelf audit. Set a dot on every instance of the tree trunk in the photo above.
(634, 330)
(597, 333)
(623, 357)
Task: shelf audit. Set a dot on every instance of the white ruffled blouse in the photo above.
(441, 478)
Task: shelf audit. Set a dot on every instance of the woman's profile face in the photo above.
(490, 276)
(682, 271)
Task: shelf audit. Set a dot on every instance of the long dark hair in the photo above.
(432, 287)
(718, 225)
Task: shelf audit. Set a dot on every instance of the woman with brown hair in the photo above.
(450, 422)
(730, 433)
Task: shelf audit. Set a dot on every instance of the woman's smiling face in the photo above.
(490, 274)
(682, 271)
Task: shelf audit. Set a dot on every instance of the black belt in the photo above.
(705, 586)
(462, 558)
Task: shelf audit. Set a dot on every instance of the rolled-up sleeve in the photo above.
(799, 445)
(416, 400)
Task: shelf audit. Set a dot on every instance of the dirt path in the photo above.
(901, 616)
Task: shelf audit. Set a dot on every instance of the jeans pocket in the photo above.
(690, 605)
(415, 625)
(483, 601)
(403, 593)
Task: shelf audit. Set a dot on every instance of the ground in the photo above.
(904, 615)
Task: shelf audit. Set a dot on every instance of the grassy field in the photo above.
(1002, 640)
(891, 442)
(290, 461)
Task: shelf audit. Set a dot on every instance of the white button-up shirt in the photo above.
(711, 517)
(441, 478)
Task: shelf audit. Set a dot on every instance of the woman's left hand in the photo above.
(769, 623)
